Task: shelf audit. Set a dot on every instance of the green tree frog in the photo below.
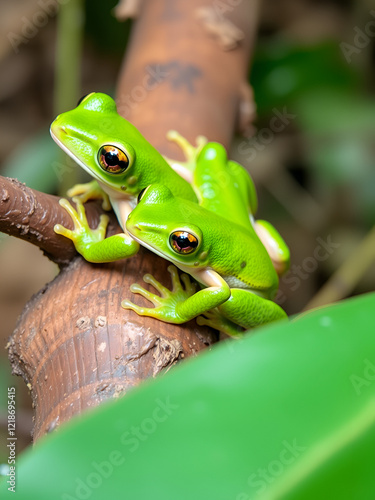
(227, 258)
(122, 163)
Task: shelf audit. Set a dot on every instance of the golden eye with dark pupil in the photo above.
(183, 242)
(113, 160)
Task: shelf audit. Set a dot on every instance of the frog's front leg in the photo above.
(90, 191)
(92, 243)
(180, 304)
(249, 310)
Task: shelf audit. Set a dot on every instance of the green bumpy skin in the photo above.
(228, 260)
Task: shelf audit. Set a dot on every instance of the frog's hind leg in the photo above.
(274, 244)
(185, 168)
(216, 320)
(190, 152)
(249, 310)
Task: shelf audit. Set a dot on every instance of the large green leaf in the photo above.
(286, 413)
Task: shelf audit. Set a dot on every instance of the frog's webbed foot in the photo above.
(90, 191)
(190, 152)
(166, 304)
(82, 231)
(92, 243)
(216, 320)
(82, 235)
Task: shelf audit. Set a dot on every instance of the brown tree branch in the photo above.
(30, 215)
(74, 344)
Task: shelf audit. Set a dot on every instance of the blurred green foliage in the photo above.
(334, 115)
(284, 71)
(104, 31)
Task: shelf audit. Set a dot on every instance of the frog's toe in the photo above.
(77, 190)
(141, 311)
(201, 141)
(138, 289)
(59, 229)
(102, 226)
(68, 207)
(127, 304)
(151, 280)
(176, 283)
(106, 205)
(189, 285)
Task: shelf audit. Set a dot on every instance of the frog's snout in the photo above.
(58, 130)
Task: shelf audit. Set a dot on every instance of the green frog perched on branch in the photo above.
(123, 164)
(227, 259)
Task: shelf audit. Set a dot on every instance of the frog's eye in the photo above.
(183, 242)
(112, 159)
(142, 193)
(84, 97)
